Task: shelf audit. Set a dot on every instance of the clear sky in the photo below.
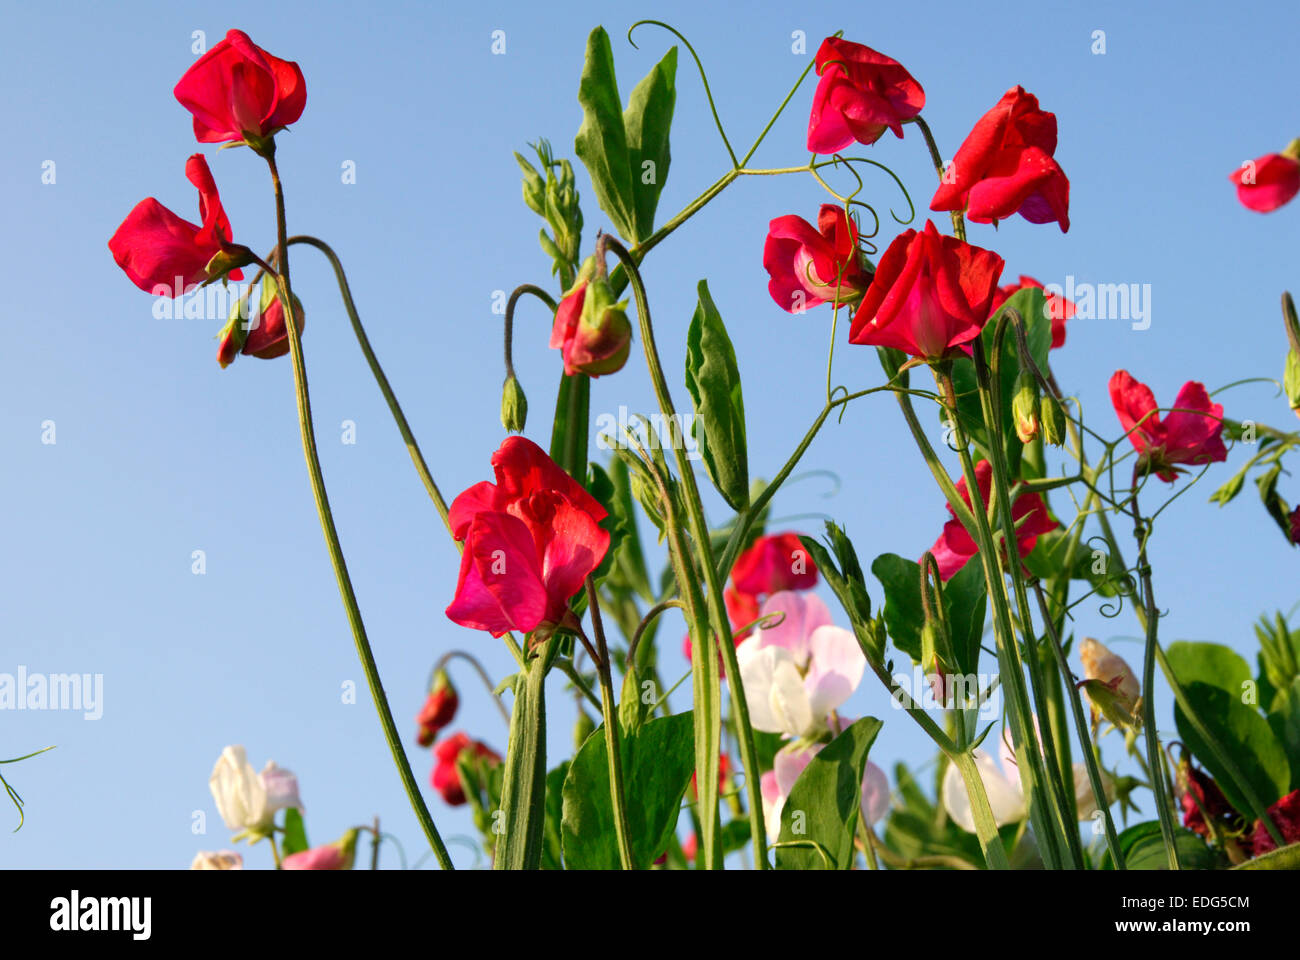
(159, 453)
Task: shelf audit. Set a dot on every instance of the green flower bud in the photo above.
(1053, 420)
(514, 405)
(1291, 378)
(1025, 406)
(582, 729)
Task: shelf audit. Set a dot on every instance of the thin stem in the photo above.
(717, 611)
(958, 220)
(404, 428)
(332, 538)
(1081, 724)
(482, 675)
(1157, 771)
(613, 748)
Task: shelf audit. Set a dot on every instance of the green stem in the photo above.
(717, 610)
(1157, 770)
(986, 828)
(613, 748)
(1081, 724)
(958, 220)
(1024, 739)
(403, 427)
(523, 789)
(989, 382)
(332, 538)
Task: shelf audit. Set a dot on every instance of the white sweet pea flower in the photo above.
(798, 672)
(1006, 796)
(247, 800)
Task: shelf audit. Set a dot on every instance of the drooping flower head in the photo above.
(159, 250)
(1007, 166)
(1268, 182)
(860, 95)
(1188, 434)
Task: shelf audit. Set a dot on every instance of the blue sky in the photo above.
(159, 453)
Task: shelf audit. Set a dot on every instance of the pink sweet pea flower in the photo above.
(1267, 182)
(1190, 433)
(530, 539)
(157, 249)
(813, 265)
(332, 856)
(797, 672)
(860, 95)
(789, 763)
(237, 89)
(956, 546)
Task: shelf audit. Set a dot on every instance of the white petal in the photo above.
(1083, 796)
(835, 670)
(757, 666)
(788, 701)
(875, 793)
(1004, 795)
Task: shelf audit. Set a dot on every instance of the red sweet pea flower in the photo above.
(156, 248)
(531, 539)
(445, 778)
(1286, 816)
(861, 94)
(1199, 791)
(1190, 433)
(1058, 308)
(955, 545)
(805, 262)
(1268, 182)
(776, 562)
(1006, 166)
(932, 294)
(1295, 525)
(237, 90)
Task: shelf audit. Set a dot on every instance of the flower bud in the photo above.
(1025, 406)
(1053, 420)
(514, 405)
(338, 855)
(1291, 378)
(1110, 684)
(591, 329)
(438, 710)
(218, 860)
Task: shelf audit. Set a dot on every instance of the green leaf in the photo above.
(646, 123)
(552, 846)
(629, 559)
(658, 761)
(1284, 720)
(1279, 657)
(964, 598)
(1209, 663)
(824, 803)
(1031, 303)
(601, 143)
(903, 612)
(713, 380)
(849, 586)
(1283, 858)
(569, 432)
(295, 833)
(1246, 736)
(1144, 849)
(600, 486)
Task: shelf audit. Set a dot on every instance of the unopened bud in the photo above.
(514, 405)
(1025, 406)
